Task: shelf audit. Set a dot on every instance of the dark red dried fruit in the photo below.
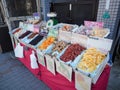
(72, 52)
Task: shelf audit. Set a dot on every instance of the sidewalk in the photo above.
(15, 76)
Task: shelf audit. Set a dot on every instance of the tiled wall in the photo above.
(109, 23)
(113, 11)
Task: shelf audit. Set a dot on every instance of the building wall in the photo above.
(113, 11)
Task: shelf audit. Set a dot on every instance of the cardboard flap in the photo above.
(64, 36)
(102, 44)
(80, 39)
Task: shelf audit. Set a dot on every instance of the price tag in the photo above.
(80, 39)
(64, 70)
(50, 64)
(82, 82)
(65, 36)
(41, 59)
(36, 29)
(30, 27)
(21, 24)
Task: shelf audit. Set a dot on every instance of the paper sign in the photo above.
(80, 39)
(102, 44)
(92, 24)
(19, 51)
(50, 64)
(82, 82)
(65, 36)
(53, 33)
(30, 27)
(64, 70)
(36, 29)
(21, 24)
(40, 56)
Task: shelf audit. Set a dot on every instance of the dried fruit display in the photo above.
(72, 52)
(59, 46)
(46, 43)
(91, 59)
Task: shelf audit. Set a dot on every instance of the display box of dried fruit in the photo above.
(58, 47)
(70, 53)
(91, 63)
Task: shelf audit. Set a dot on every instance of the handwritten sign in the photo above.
(65, 36)
(64, 70)
(41, 59)
(50, 64)
(30, 27)
(21, 24)
(36, 29)
(102, 44)
(80, 39)
(82, 82)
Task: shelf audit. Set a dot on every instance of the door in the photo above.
(76, 12)
(62, 10)
(84, 10)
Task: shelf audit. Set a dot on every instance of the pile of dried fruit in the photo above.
(59, 46)
(67, 28)
(46, 43)
(72, 52)
(91, 59)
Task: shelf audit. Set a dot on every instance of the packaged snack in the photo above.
(36, 40)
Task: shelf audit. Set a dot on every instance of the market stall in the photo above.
(65, 56)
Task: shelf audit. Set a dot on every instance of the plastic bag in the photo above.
(19, 51)
(34, 64)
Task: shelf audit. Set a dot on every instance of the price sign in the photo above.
(64, 70)
(82, 82)
(41, 59)
(50, 64)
